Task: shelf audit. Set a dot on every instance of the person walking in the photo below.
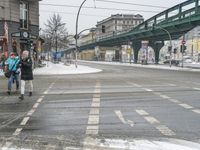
(26, 73)
(11, 65)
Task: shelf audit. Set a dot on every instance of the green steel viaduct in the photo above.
(167, 25)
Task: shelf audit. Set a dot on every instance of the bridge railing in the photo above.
(178, 12)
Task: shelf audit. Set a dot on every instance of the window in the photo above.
(23, 15)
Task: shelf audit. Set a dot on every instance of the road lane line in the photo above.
(94, 111)
(24, 121)
(151, 120)
(148, 90)
(174, 100)
(30, 113)
(196, 111)
(165, 130)
(142, 112)
(164, 96)
(156, 123)
(186, 106)
(197, 89)
(120, 116)
(93, 119)
(17, 131)
(95, 104)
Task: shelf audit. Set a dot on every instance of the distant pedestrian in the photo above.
(26, 73)
(12, 65)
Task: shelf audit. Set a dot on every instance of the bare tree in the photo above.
(55, 32)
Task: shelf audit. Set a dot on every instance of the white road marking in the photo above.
(165, 96)
(165, 130)
(17, 131)
(148, 90)
(40, 100)
(151, 120)
(186, 106)
(96, 99)
(174, 100)
(36, 105)
(122, 119)
(196, 111)
(24, 121)
(96, 96)
(162, 128)
(30, 113)
(120, 116)
(92, 127)
(171, 84)
(197, 89)
(94, 111)
(142, 112)
(95, 104)
(93, 120)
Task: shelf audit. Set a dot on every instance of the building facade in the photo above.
(109, 27)
(117, 23)
(19, 25)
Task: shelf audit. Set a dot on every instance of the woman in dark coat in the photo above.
(26, 73)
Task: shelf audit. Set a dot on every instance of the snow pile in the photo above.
(140, 144)
(61, 69)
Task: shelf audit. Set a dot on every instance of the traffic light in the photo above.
(175, 50)
(183, 48)
(169, 49)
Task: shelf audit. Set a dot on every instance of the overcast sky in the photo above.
(89, 16)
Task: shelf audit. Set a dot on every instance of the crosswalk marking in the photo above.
(142, 112)
(165, 130)
(156, 123)
(151, 120)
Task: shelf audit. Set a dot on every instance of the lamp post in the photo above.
(77, 36)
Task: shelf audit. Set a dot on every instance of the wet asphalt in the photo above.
(129, 103)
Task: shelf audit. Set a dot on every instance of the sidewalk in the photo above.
(193, 67)
(61, 69)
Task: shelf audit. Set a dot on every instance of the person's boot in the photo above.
(21, 97)
(30, 94)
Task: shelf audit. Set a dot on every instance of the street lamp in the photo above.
(77, 36)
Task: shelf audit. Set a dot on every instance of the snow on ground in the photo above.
(141, 144)
(61, 69)
(153, 66)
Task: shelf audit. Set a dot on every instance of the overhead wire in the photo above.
(135, 4)
(100, 8)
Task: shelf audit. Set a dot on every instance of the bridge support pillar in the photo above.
(136, 45)
(156, 45)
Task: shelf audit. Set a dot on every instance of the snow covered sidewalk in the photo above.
(153, 66)
(61, 69)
